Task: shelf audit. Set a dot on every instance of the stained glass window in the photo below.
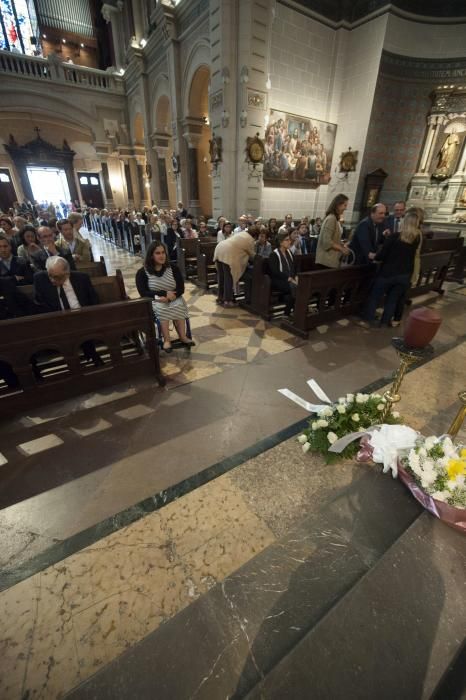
(19, 31)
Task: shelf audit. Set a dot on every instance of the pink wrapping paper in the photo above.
(454, 517)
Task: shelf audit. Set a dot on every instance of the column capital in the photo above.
(160, 142)
(109, 10)
(192, 130)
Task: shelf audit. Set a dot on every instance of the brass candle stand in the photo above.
(408, 356)
(455, 427)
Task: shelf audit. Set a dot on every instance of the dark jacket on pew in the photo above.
(18, 268)
(40, 259)
(366, 239)
(288, 268)
(47, 296)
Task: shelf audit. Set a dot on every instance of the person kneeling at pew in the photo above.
(60, 289)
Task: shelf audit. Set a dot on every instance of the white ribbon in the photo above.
(318, 391)
(311, 407)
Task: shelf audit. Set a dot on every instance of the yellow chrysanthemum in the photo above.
(463, 453)
(456, 467)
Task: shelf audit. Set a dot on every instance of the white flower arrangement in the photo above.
(349, 413)
(439, 468)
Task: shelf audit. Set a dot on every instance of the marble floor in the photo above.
(140, 527)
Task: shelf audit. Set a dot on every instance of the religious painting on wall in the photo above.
(298, 151)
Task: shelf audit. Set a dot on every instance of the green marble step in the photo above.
(227, 642)
(397, 634)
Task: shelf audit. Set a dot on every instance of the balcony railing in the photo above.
(52, 70)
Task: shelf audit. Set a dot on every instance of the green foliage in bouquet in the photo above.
(351, 413)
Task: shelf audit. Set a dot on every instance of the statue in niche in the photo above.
(447, 157)
(215, 149)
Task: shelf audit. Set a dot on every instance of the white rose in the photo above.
(422, 452)
(302, 439)
(306, 447)
(376, 396)
(360, 398)
(327, 411)
(380, 407)
(314, 425)
(355, 417)
(395, 414)
(331, 437)
(350, 398)
(341, 409)
(341, 400)
(322, 423)
(427, 478)
(430, 442)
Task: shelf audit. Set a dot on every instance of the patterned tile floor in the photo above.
(224, 337)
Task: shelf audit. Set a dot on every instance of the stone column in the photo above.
(133, 173)
(139, 20)
(113, 15)
(164, 16)
(161, 149)
(438, 120)
(254, 35)
(192, 132)
(432, 122)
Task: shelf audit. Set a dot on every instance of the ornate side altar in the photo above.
(439, 186)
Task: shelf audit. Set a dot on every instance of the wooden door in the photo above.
(7, 190)
(91, 190)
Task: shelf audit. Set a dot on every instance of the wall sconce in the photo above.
(207, 120)
(225, 75)
(142, 43)
(268, 84)
(243, 118)
(244, 75)
(225, 118)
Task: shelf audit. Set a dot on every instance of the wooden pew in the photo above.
(206, 269)
(108, 288)
(433, 272)
(323, 296)
(189, 246)
(108, 325)
(260, 299)
(457, 271)
(93, 269)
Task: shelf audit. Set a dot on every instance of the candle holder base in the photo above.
(408, 356)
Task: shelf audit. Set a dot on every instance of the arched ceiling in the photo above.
(355, 10)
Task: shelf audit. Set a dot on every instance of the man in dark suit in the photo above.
(49, 248)
(11, 265)
(369, 235)
(395, 220)
(61, 289)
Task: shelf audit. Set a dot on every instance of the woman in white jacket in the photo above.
(232, 256)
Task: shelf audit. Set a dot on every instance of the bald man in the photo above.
(369, 235)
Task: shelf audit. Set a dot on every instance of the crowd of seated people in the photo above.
(29, 240)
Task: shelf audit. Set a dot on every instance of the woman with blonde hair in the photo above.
(398, 262)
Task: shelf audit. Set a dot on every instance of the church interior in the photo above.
(232, 277)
